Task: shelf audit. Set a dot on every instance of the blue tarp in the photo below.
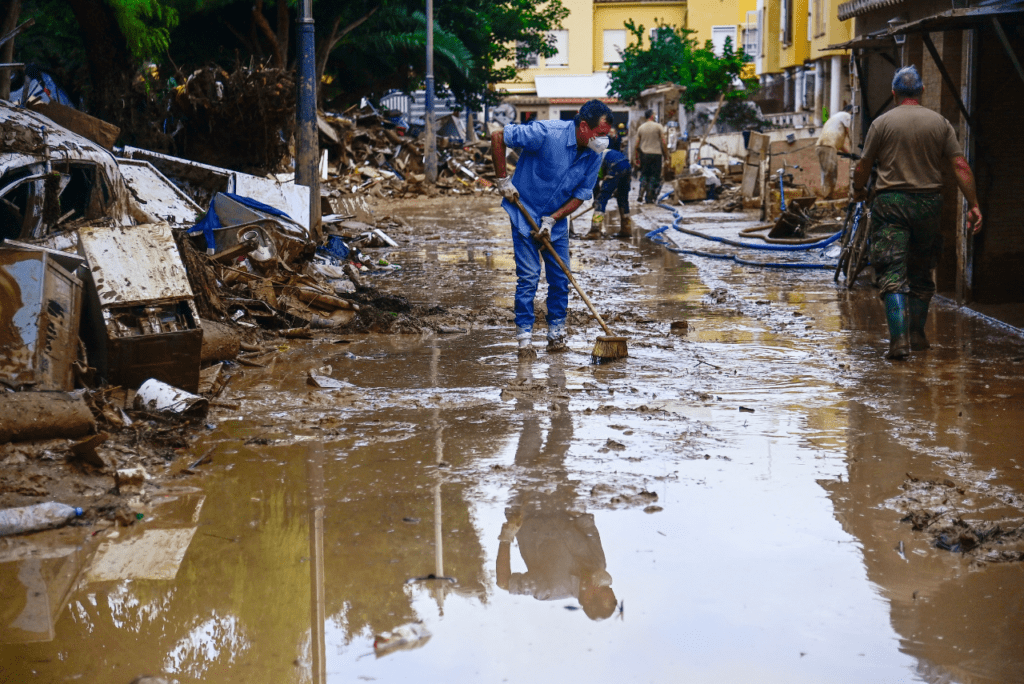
(212, 220)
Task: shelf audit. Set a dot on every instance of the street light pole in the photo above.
(430, 146)
(307, 157)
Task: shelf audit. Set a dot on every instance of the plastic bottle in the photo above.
(38, 517)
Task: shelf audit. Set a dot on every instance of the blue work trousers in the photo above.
(616, 183)
(528, 260)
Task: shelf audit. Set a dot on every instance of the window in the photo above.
(524, 58)
(718, 36)
(751, 46)
(660, 31)
(786, 32)
(820, 8)
(614, 44)
(561, 43)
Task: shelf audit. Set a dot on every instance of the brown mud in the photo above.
(756, 496)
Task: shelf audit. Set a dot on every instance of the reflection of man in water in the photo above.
(560, 545)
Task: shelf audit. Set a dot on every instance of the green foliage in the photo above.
(674, 56)
(146, 25)
(471, 37)
(54, 43)
(447, 45)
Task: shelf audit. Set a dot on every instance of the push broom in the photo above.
(608, 347)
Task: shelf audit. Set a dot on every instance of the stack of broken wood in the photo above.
(234, 119)
(274, 295)
(367, 153)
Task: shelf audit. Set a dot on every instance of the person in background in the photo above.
(613, 180)
(835, 137)
(556, 172)
(911, 145)
(651, 150)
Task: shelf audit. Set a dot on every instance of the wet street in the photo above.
(757, 498)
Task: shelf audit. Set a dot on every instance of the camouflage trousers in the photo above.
(905, 242)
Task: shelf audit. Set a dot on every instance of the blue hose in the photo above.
(655, 236)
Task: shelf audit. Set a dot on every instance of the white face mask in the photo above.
(599, 144)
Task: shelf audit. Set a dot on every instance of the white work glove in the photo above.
(507, 190)
(511, 527)
(546, 225)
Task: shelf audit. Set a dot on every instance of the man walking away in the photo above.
(556, 172)
(835, 137)
(650, 150)
(911, 145)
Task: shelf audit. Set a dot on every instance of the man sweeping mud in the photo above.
(555, 174)
(911, 145)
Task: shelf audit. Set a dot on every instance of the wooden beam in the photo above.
(949, 82)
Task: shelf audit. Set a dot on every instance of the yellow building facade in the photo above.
(589, 44)
(715, 20)
(793, 60)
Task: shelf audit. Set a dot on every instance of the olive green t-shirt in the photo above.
(911, 145)
(649, 137)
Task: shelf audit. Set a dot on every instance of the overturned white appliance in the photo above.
(142, 318)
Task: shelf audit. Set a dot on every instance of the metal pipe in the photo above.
(430, 146)
(835, 95)
(307, 157)
(819, 91)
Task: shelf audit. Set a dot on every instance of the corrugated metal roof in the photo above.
(855, 8)
(961, 18)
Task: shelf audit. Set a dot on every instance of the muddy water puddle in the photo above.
(724, 505)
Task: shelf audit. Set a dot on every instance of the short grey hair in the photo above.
(907, 82)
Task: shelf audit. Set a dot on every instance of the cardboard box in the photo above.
(691, 188)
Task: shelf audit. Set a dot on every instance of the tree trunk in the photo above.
(323, 50)
(11, 14)
(283, 29)
(261, 23)
(110, 63)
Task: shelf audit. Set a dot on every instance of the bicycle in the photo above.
(853, 254)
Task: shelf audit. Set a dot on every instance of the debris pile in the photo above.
(233, 118)
(124, 304)
(368, 152)
(937, 508)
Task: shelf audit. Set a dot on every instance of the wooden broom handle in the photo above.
(558, 259)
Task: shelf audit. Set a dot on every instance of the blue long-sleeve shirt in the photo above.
(551, 170)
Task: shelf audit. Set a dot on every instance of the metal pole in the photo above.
(430, 146)
(307, 157)
(835, 95)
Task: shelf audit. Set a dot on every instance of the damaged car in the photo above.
(53, 181)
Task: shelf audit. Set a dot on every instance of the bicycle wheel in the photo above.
(844, 243)
(859, 259)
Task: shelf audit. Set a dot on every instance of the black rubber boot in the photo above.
(918, 310)
(896, 317)
(625, 227)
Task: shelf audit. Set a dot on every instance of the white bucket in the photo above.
(159, 397)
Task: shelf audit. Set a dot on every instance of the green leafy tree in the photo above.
(146, 26)
(674, 56)
(471, 39)
(390, 52)
(495, 32)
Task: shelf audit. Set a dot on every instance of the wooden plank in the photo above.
(100, 132)
(804, 153)
(757, 146)
(691, 188)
